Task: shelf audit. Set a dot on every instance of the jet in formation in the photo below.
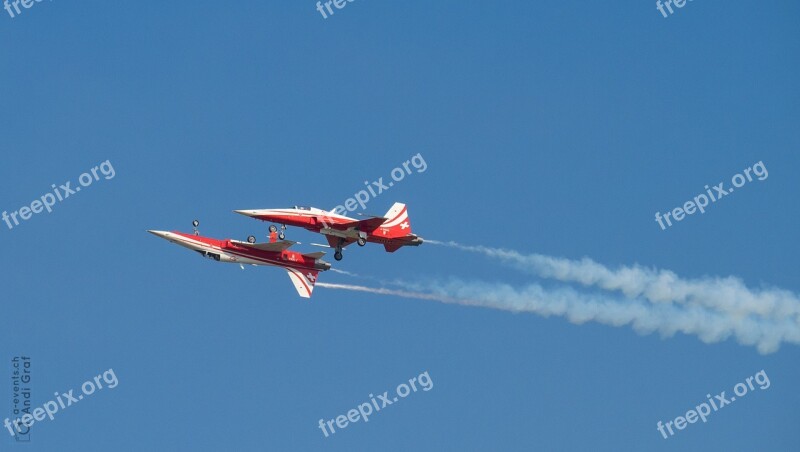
(301, 268)
(393, 230)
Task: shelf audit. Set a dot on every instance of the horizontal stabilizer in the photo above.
(391, 247)
(409, 240)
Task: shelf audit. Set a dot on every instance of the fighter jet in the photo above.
(393, 230)
(302, 268)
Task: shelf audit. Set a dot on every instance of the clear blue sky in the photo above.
(548, 127)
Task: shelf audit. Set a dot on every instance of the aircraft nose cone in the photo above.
(162, 234)
(249, 213)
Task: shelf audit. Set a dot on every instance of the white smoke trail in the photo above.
(713, 309)
(710, 326)
(727, 295)
(382, 291)
(345, 272)
(380, 281)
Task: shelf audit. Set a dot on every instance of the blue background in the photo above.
(550, 127)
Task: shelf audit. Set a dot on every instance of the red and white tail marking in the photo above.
(398, 224)
(303, 280)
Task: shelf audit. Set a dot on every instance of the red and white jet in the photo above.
(302, 268)
(393, 230)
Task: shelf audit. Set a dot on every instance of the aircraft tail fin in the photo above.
(398, 223)
(303, 281)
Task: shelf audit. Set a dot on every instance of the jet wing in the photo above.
(369, 225)
(303, 280)
(274, 246)
(333, 241)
